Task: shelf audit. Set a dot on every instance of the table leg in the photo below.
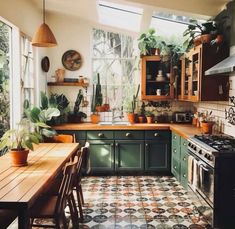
(23, 219)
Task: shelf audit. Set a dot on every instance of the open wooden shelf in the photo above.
(68, 84)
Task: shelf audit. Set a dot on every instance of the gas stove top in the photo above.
(208, 147)
(218, 142)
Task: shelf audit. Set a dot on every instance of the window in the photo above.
(5, 37)
(114, 59)
(118, 15)
(27, 70)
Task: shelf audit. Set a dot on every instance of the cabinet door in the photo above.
(101, 155)
(157, 156)
(129, 155)
(156, 81)
(186, 76)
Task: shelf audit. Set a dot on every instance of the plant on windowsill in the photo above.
(77, 116)
(19, 141)
(141, 115)
(150, 117)
(149, 43)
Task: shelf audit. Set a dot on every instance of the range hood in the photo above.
(225, 66)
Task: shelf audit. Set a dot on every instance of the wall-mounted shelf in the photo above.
(77, 84)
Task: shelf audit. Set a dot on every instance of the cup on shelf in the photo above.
(195, 93)
(158, 92)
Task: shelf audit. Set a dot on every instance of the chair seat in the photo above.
(7, 217)
(45, 207)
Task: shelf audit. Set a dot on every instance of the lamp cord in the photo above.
(44, 16)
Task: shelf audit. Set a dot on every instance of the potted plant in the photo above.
(19, 141)
(149, 43)
(141, 115)
(131, 107)
(77, 116)
(95, 117)
(149, 116)
(207, 122)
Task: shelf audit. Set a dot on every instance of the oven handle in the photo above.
(203, 166)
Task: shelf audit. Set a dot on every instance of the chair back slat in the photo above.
(63, 138)
(69, 174)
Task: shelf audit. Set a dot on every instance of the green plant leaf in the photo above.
(42, 124)
(51, 112)
(34, 114)
(34, 138)
(28, 144)
(48, 132)
(44, 100)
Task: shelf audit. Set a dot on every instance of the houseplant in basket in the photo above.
(19, 141)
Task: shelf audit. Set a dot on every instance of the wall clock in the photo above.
(71, 60)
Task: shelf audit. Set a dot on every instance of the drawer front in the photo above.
(175, 138)
(129, 135)
(161, 135)
(184, 144)
(99, 134)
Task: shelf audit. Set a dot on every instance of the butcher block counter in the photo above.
(182, 129)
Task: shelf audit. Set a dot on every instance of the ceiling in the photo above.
(88, 9)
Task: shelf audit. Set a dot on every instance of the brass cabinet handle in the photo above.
(174, 137)
(112, 144)
(184, 144)
(128, 134)
(174, 167)
(100, 135)
(146, 144)
(117, 144)
(184, 175)
(156, 134)
(174, 150)
(184, 158)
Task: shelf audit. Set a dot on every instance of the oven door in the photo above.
(206, 181)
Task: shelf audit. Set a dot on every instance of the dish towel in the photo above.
(195, 175)
(190, 169)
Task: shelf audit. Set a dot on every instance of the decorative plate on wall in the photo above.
(71, 60)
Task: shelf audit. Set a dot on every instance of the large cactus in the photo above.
(98, 93)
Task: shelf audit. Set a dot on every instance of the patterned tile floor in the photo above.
(137, 202)
(132, 202)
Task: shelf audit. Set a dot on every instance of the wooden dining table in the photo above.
(21, 186)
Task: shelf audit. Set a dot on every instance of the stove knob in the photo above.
(195, 147)
(210, 158)
(206, 155)
(200, 151)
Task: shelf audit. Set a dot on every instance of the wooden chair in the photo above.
(64, 138)
(52, 206)
(77, 184)
(7, 217)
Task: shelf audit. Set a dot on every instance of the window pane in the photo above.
(5, 32)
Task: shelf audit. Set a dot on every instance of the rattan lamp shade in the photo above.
(44, 37)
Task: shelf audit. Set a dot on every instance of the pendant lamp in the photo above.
(44, 36)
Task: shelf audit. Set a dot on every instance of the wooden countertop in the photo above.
(182, 129)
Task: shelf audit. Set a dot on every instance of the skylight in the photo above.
(121, 16)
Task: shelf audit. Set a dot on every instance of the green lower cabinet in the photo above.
(179, 156)
(101, 156)
(157, 156)
(129, 155)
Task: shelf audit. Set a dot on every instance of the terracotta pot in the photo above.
(131, 117)
(207, 127)
(197, 41)
(19, 158)
(106, 107)
(149, 119)
(99, 108)
(95, 118)
(141, 119)
(206, 38)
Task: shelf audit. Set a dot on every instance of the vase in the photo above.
(141, 119)
(19, 157)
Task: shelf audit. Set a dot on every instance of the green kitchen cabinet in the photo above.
(129, 150)
(101, 151)
(157, 151)
(101, 156)
(129, 155)
(179, 159)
